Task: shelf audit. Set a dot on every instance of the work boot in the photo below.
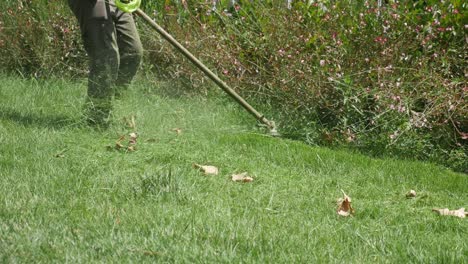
(98, 112)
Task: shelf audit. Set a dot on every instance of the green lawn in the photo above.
(66, 197)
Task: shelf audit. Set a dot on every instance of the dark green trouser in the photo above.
(111, 40)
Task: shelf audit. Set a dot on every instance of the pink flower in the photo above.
(464, 135)
(322, 63)
(381, 40)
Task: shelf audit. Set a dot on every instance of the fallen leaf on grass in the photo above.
(206, 169)
(133, 137)
(178, 131)
(132, 142)
(61, 154)
(131, 146)
(344, 205)
(118, 143)
(458, 213)
(411, 194)
(243, 177)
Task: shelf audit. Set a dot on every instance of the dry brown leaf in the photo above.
(61, 154)
(458, 213)
(178, 131)
(411, 194)
(118, 143)
(131, 148)
(133, 138)
(242, 177)
(344, 205)
(132, 142)
(206, 169)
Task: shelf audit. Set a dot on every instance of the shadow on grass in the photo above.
(38, 120)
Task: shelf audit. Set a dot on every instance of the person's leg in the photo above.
(100, 42)
(130, 49)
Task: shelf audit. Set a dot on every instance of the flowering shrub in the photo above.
(40, 38)
(385, 80)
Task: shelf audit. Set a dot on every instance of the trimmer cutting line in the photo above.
(134, 6)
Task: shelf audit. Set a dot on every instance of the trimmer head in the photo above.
(272, 129)
(274, 133)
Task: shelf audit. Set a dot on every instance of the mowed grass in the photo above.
(66, 197)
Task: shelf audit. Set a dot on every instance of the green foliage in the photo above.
(385, 81)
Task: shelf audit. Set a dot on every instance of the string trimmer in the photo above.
(134, 6)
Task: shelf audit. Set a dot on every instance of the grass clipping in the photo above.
(344, 205)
